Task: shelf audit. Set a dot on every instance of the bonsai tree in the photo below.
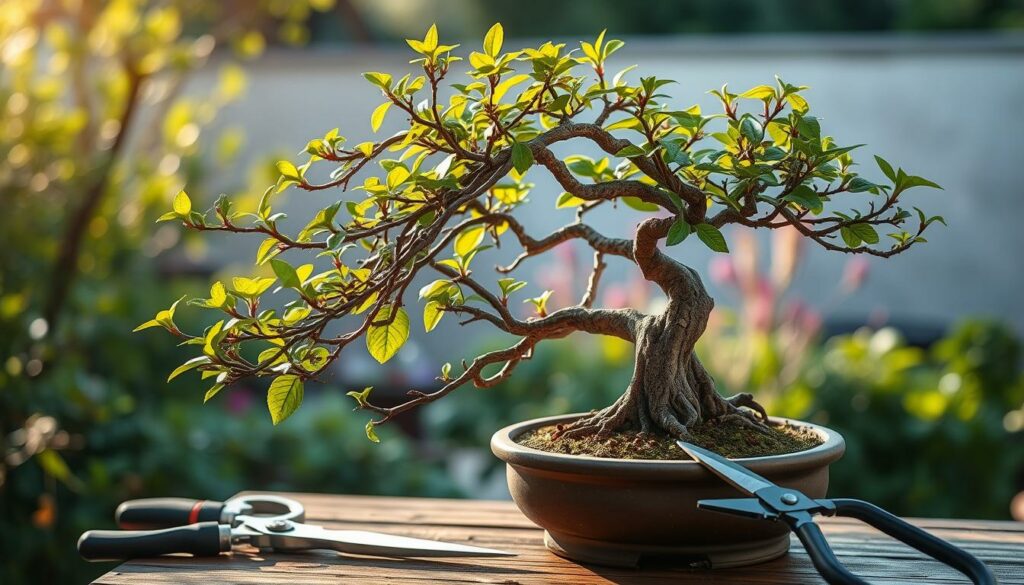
(453, 183)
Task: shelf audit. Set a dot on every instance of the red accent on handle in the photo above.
(193, 516)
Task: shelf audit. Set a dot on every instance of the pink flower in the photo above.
(854, 274)
(760, 306)
(616, 297)
(239, 401)
(722, 271)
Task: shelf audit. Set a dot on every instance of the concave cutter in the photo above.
(772, 502)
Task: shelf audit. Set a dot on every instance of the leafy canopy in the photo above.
(450, 183)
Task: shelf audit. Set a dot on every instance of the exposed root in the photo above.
(747, 399)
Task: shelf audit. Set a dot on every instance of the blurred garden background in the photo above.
(109, 107)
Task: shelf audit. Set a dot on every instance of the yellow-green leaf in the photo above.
(182, 204)
(210, 340)
(147, 325)
(432, 313)
(190, 364)
(493, 40)
(377, 118)
(469, 239)
(251, 287)
(568, 200)
(430, 39)
(284, 397)
(218, 296)
(371, 433)
(287, 169)
(384, 340)
(760, 92)
(504, 86)
(212, 392)
(397, 176)
(361, 397)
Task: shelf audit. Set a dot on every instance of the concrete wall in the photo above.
(947, 108)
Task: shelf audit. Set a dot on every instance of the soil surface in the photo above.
(727, 439)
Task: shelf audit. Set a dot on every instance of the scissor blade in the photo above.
(387, 545)
(743, 479)
(746, 507)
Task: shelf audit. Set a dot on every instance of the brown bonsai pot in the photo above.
(621, 511)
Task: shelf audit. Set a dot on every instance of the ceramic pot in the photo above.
(621, 512)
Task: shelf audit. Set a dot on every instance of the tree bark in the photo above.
(670, 390)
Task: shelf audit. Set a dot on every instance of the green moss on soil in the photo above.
(729, 439)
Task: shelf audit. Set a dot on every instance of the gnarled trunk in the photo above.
(670, 390)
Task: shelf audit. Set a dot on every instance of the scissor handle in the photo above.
(821, 554)
(205, 539)
(150, 513)
(913, 536)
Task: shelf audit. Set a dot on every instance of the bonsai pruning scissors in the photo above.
(163, 526)
(771, 502)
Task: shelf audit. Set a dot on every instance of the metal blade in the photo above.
(295, 536)
(375, 543)
(746, 507)
(743, 479)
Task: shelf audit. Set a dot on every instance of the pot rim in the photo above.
(503, 446)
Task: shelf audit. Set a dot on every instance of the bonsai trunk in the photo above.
(670, 390)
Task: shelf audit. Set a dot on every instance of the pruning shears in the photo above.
(772, 502)
(161, 526)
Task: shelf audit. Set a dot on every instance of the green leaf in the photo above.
(712, 238)
(631, 150)
(361, 397)
(190, 364)
(284, 397)
(805, 197)
(285, 273)
(751, 130)
(860, 184)
(182, 204)
(522, 157)
(639, 204)
(377, 117)
(678, 232)
(912, 181)
(371, 433)
(865, 232)
(432, 313)
(383, 341)
(510, 285)
(850, 237)
(886, 168)
(493, 40)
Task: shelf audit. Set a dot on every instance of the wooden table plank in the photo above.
(497, 524)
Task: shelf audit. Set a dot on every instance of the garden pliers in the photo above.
(772, 502)
(161, 526)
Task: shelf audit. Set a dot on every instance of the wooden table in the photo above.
(500, 525)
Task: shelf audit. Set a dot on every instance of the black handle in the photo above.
(929, 544)
(152, 513)
(821, 554)
(202, 540)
